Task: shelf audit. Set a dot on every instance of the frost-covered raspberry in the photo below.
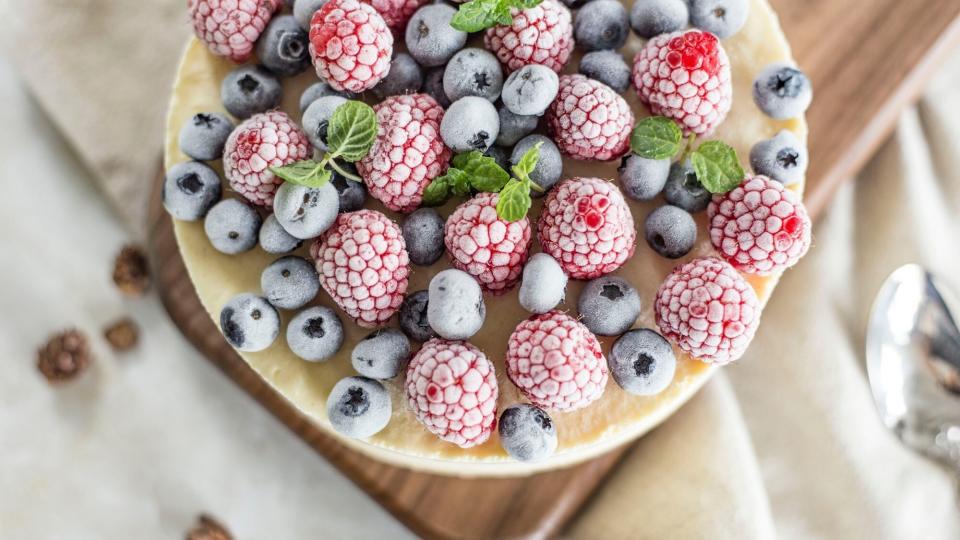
(396, 13)
(685, 76)
(759, 227)
(452, 388)
(231, 28)
(363, 265)
(556, 362)
(589, 120)
(351, 45)
(408, 152)
(542, 35)
(489, 248)
(707, 309)
(587, 227)
(264, 140)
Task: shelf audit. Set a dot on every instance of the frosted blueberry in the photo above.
(190, 189)
(455, 307)
(500, 155)
(353, 194)
(405, 77)
(684, 190)
(413, 317)
(514, 127)
(473, 72)
(527, 432)
(650, 18)
(433, 85)
(601, 24)
(290, 282)
(782, 91)
(318, 90)
(283, 48)
(306, 212)
(303, 11)
(316, 119)
(549, 165)
(430, 38)
(203, 136)
(544, 284)
(249, 323)
(643, 179)
(642, 362)
(248, 90)
(315, 334)
(423, 234)
(671, 231)
(359, 407)
(382, 354)
(723, 18)
(530, 90)
(232, 226)
(471, 123)
(608, 306)
(275, 239)
(782, 158)
(608, 67)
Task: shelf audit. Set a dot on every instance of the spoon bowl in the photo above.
(913, 362)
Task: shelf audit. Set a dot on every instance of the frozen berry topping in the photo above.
(231, 28)
(487, 247)
(542, 35)
(685, 76)
(589, 120)
(760, 227)
(452, 388)
(556, 362)
(363, 265)
(351, 45)
(707, 309)
(587, 227)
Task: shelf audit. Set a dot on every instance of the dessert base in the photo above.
(611, 421)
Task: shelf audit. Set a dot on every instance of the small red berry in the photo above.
(685, 76)
(708, 310)
(759, 227)
(408, 152)
(264, 140)
(363, 265)
(452, 388)
(396, 13)
(588, 120)
(556, 362)
(350, 44)
(542, 35)
(491, 249)
(587, 227)
(230, 28)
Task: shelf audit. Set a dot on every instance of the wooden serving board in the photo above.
(868, 59)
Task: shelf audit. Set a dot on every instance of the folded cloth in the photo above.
(785, 443)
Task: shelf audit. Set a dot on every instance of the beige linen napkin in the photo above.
(785, 443)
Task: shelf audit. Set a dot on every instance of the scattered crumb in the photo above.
(122, 334)
(64, 356)
(208, 528)
(131, 272)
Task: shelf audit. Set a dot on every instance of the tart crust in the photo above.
(611, 421)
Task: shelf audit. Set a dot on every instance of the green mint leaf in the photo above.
(459, 182)
(437, 192)
(717, 166)
(483, 172)
(309, 173)
(352, 131)
(476, 15)
(527, 162)
(656, 137)
(526, 4)
(515, 201)
(502, 14)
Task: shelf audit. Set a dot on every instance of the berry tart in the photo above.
(487, 238)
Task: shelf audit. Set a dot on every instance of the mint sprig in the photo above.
(715, 163)
(351, 132)
(515, 200)
(477, 15)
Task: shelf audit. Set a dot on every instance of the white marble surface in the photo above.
(144, 441)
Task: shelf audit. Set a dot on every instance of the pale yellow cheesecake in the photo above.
(614, 419)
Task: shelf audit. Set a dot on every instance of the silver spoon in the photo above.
(913, 362)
